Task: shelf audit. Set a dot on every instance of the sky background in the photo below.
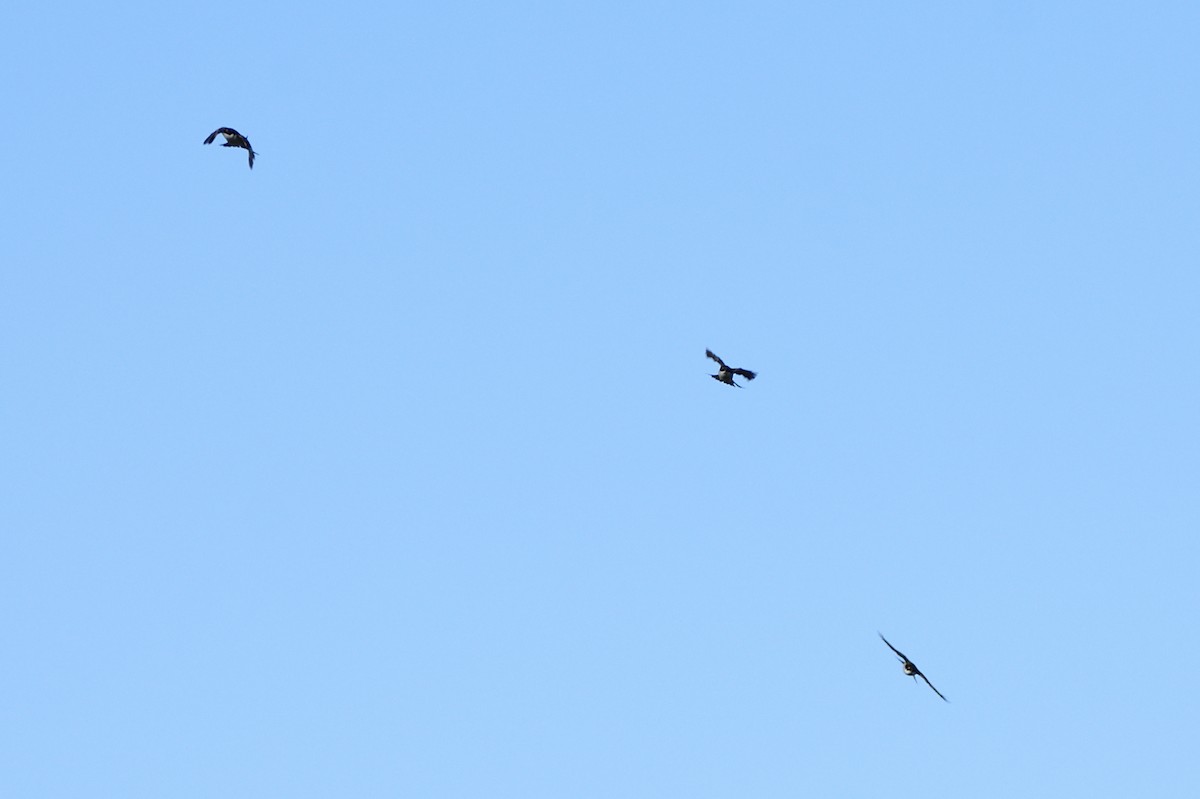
(393, 467)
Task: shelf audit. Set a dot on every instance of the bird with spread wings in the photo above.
(725, 374)
(911, 669)
(233, 139)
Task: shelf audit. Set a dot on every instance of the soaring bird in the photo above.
(911, 669)
(233, 139)
(725, 374)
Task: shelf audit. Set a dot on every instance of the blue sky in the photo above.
(393, 467)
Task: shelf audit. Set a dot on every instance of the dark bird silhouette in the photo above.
(911, 669)
(725, 374)
(233, 139)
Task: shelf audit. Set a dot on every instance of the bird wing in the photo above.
(710, 354)
(746, 373)
(228, 133)
(898, 652)
(927, 682)
(238, 140)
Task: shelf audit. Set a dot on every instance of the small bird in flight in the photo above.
(911, 669)
(233, 139)
(725, 374)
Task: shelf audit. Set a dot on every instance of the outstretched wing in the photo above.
(746, 373)
(235, 138)
(710, 354)
(927, 682)
(901, 654)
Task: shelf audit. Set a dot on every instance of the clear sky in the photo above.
(393, 467)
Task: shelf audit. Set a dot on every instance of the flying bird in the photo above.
(911, 669)
(725, 374)
(233, 139)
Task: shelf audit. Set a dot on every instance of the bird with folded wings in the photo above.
(911, 669)
(233, 139)
(726, 374)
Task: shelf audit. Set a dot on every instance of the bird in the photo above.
(911, 669)
(233, 139)
(725, 374)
